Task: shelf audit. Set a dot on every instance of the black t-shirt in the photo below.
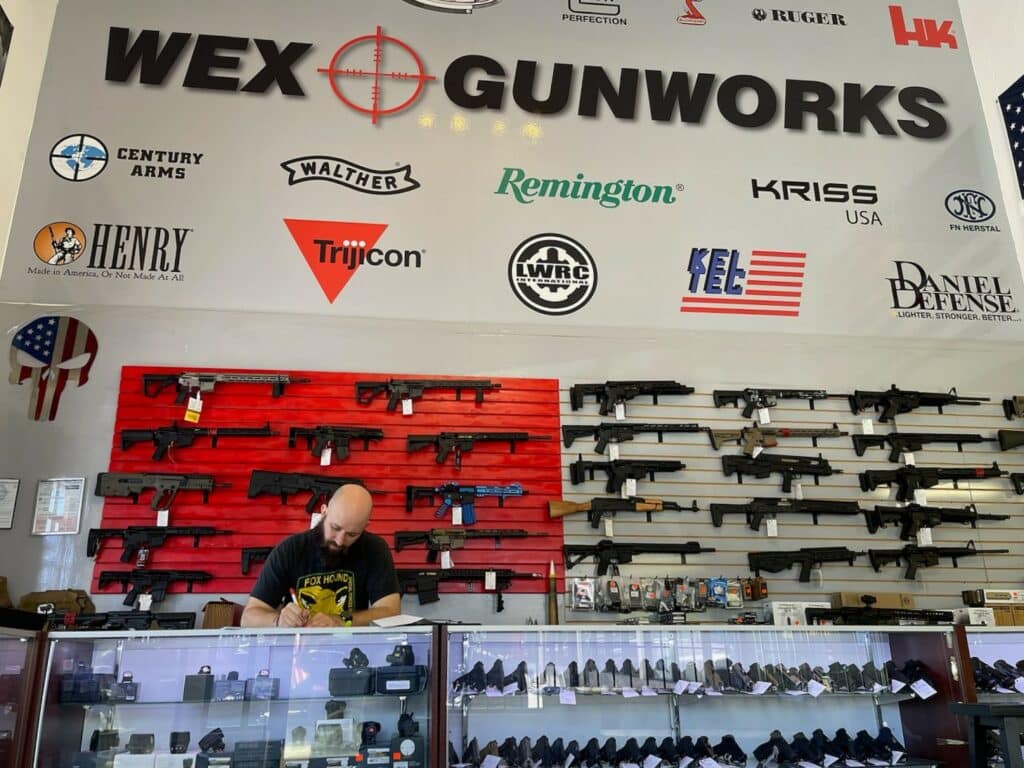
(365, 574)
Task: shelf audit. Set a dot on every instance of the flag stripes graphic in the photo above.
(776, 275)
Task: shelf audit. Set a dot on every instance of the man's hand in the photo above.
(293, 616)
(324, 620)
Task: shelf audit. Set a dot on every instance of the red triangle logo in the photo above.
(333, 249)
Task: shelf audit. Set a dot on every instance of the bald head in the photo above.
(346, 516)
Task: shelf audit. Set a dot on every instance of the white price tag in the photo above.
(162, 517)
(652, 761)
(193, 409)
(567, 696)
(921, 497)
(798, 491)
(758, 450)
(772, 527)
(815, 689)
(569, 761)
(896, 757)
(922, 689)
(407, 411)
(315, 519)
(681, 687)
(1018, 683)
(613, 451)
(490, 580)
(491, 691)
(924, 537)
(446, 560)
(807, 764)
(510, 689)
(763, 416)
(609, 528)
(877, 688)
(647, 691)
(796, 693)
(693, 687)
(629, 693)
(491, 761)
(630, 486)
(629, 765)
(908, 459)
(456, 514)
(761, 687)
(709, 692)
(829, 760)
(1000, 689)
(897, 686)
(145, 602)
(325, 456)
(867, 426)
(620, 411)
(851, 763)
(709, 762)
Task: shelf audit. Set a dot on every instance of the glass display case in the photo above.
(650, 696)
(240, 698)
(997, 663)
(18, 650)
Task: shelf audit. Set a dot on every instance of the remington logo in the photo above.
(608, 194)
(918, 294)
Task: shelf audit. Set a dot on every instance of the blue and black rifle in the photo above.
(894, 401)
(180, 436)
(413, 389)
(144, 581)
(457, 495)
(613, 393)
(138, 540)
(336, 437)
(448, 443)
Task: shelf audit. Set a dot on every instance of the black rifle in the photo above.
(252, 555)
(925, 557)
(464, 496)
(867, 615)
(616, 432)
(607, 552)
(767, 437)
(189, 382)
(894, 401)
(758, 509)
(447, 539)
(600, 508)
(1017, 478)
(155, 582)
(285, 484)
(424, 583)
(765, 464)
(909, 479)
(1010, 438)
(142, 538)
(118, 621)
(909, 442)
(179, 436)
(620, 470)
(446, 443)
(806, 558)
(756, 397)
(1014, 407)
(913, 517)
(337, 437)
(166, 487)
(612, 393)
(413, 389)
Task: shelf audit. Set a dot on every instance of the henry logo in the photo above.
(723, 282)
(918, 294)
(692, 16)
(972, 208)
(927, 33)
(49, 352)
(79, 157)
(59, 243)
(608, 194)
(595, 12)
(552, 274)
(800, 17)
(348, 174)
(453, 6)
(117, 251)
(822, 192)
(335, 250)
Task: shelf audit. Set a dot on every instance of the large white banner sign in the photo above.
(635, 163)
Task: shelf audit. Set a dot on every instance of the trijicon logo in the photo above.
(334, 250)
(552, 274)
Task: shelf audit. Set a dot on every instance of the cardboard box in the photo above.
(1004, 616)
(884, 599)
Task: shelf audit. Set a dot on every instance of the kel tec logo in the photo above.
(927, 33)
(334, 251)
(772, 285)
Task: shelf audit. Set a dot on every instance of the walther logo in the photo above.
(918, 294)
(608, 194)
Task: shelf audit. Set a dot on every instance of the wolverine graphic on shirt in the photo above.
(330, 593)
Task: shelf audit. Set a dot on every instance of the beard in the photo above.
(332, 554)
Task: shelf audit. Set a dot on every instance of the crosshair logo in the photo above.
(369, 101)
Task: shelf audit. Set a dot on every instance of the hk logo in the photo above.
(723, 282)
(927, 33)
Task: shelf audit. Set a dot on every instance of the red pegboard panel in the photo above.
(521, 405)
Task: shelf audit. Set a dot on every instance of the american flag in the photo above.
(51, 351)
(1012, 102)
(774, 286)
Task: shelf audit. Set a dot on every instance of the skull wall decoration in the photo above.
(49, 352)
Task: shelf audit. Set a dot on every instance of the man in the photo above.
(336, 574)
